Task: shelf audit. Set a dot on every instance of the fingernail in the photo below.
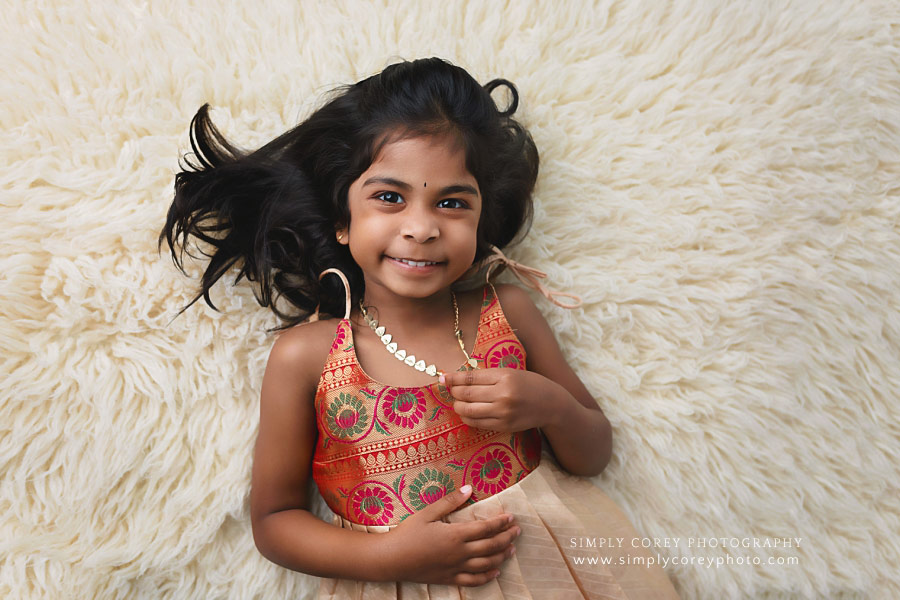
(441, 378)
(513, 551)
(518, 531)
(466, 489)
(496, 575)
(509, 519)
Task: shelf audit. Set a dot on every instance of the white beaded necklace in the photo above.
(410, 359)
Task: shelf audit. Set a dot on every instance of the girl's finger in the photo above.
(484, 564)
(494, 545)
(473, 393)
(472, 377)
(486, 392)
(485, 528)
(474, 410)
(475, 580)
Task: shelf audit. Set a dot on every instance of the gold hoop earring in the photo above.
(340, 236)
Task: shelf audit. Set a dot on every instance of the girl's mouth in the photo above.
(414, 263)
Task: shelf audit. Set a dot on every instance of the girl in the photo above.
(369, 223)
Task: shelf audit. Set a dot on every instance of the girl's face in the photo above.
(414, 218)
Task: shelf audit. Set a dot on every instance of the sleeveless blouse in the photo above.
(385, 452)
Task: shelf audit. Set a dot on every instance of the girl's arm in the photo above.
(581, 435)
(549, 395)
(422, 548)
(284, 529)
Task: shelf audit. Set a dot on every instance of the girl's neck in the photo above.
(423, 327)
(409, 313)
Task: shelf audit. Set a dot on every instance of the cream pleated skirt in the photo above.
(560, 553)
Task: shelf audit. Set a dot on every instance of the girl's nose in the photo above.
(420, 226)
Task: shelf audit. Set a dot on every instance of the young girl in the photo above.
(365, 229)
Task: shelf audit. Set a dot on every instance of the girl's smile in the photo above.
(414, 217)
(416, 265)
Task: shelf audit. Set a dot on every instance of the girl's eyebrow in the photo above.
(458, 188)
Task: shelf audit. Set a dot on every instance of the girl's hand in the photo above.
(427, 550)
(505, 399)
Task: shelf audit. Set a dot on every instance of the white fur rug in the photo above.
(720, 181)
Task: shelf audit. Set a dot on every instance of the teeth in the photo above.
(415, 263)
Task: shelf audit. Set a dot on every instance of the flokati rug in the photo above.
(720, 181)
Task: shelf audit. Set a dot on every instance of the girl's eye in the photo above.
(390, 197)
(452, 203)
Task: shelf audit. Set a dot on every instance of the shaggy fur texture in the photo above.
(719, 182)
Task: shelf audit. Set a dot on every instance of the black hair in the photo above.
(274, 211)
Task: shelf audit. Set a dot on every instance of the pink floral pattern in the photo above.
(339, 336)
(371, 505)
(403, 406)
(506, 355)
(491, 471)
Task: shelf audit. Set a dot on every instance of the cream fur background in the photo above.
(720, 182)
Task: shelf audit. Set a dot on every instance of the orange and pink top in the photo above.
(385, 452)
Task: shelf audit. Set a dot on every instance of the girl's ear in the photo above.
(343, 235)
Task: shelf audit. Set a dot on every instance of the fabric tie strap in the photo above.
(315, 316)
(529, 276)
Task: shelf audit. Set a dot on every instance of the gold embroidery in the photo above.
(370, 455)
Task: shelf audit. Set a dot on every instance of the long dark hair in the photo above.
(274, 211)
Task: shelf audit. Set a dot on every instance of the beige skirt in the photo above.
(575, 543)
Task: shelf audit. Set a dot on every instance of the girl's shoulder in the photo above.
(517, 305)
(524, 317)
(304, 348)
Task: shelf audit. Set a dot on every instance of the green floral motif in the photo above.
(510, 361)
(440, 393)
(429, 486)
(347, 416)
(399, 484)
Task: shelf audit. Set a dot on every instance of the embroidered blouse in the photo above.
(386, 452)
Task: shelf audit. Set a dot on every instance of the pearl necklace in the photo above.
(410, 359)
